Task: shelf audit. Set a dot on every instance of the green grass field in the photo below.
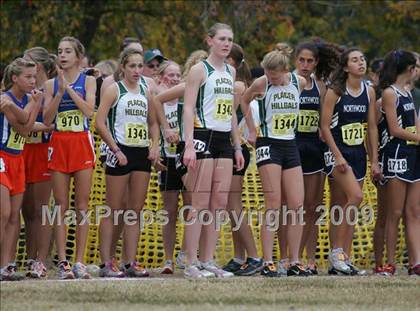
(176, 293)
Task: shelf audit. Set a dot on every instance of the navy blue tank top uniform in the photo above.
(245, 150)
(348, 125)
(400, 156)
(384, 138)
(311, 148)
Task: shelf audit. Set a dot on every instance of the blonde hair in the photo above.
(279, 58)
(194, 58)
(15, 68)
(40, 55)
(77, 45)
(216, 27)
(164, 65)
(107, 67)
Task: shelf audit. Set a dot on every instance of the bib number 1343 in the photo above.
(136, 134)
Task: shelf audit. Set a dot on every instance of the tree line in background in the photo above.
(179, 27)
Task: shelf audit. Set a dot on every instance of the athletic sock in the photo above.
(238, 260)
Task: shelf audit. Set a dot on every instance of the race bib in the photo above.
(136, 134)
(283, 124)
(199, 146)
(111, 159)
(411, 129)
(353, 134)
(70, 121)
(34, 138)
(308, 121)
(223, 111)
(329, 158)
(103, 149)
(397, 165)
(262, 154)
(16, 141)
(2, 166)
(50, 152)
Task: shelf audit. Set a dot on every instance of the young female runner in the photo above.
(345, 111)
(277, 155)
(18, 110)
(176, 93)
(400, 153)
(246, 261)
(38, 178)
(208, 151)
(170, 182)
(69, 103)
(314, 61)
(131, 121)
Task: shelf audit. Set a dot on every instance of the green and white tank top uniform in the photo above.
(168, 150)
(278, 112)
(127, 120)
(213, 112)
(103, 147)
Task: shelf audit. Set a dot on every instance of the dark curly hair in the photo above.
(339, 76)
(327, 54)
(395, 63)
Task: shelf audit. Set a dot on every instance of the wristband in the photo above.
(238, 148)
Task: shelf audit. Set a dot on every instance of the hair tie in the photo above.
(397, 55)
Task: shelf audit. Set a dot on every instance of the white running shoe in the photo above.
(211, 266)
(282, 266)
(193, 272)
(337, 259)
(181, 260)
(80, 272)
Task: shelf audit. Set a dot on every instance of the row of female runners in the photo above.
(203, 116)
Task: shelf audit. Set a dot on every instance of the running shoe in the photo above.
(355, 270)
(283, 266)
(232, 266)
(269, 270)
(312, 268)
(29, 269)
(193, 272)
(389, 269)
(39, 269)
(168, 268)
(297, 269)
(181, 260)
(338, 264)
(415, 270)
(206, 273)
(64, 270)
(80, 272)
(378, 270)
(110, 270)
(250, 267)
(135, 270)
(218, 272)
(10, 273)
